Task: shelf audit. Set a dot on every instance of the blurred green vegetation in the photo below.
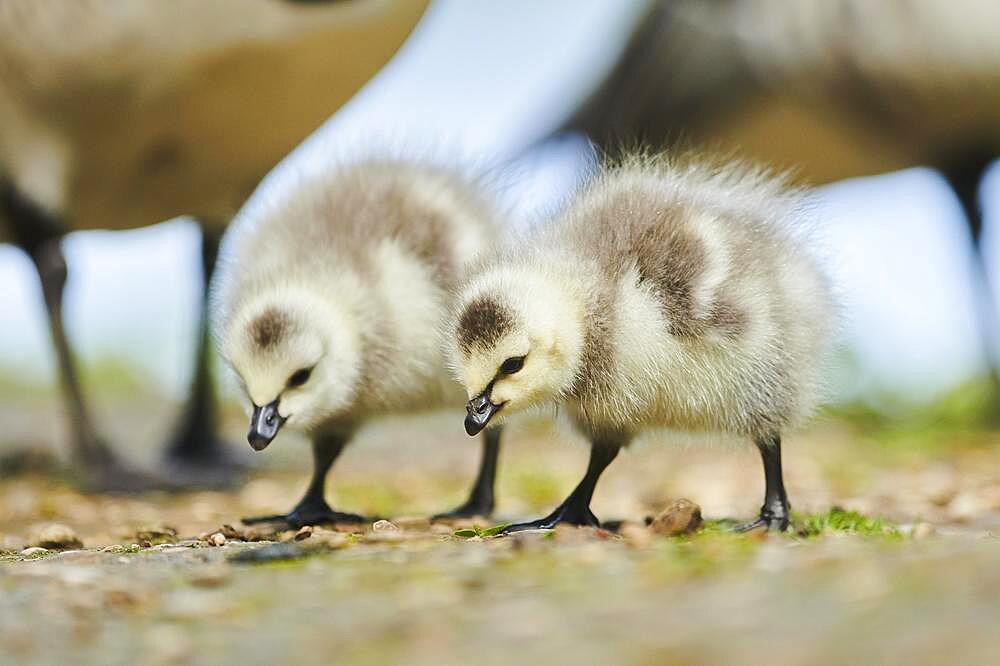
(111, 375)
(891, 420)
(956, 419)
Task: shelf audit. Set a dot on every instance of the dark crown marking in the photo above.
(269, 328)
(483, 323)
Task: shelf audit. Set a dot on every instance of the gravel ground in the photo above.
(912, 577)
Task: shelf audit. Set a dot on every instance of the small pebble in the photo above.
(304, 533)
(383, 526)
(680, 517)
(34, 550)
(217, 539)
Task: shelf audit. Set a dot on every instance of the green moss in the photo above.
(476, 531)
(709, 527)
(850, 522)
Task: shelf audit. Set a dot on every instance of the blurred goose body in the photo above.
(663, 296)
(123, 113)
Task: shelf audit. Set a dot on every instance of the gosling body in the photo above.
(329, 306)
(665, 295)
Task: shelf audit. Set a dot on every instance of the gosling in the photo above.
(665, 295)
(329, 305)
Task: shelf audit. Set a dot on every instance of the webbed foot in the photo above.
(771, 521)
(569, 512)
(308, 514)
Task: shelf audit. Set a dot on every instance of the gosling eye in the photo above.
(512, 365)
(299, 377)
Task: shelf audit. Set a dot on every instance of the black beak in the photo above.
(264, 425)
(480, 410)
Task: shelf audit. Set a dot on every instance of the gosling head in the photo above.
(297, 359)
(518, 337)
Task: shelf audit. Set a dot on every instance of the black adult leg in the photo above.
(312, 509)
(39, 233)
(965, 175)
(480, 502)
(775, 511)
(575, 509)
(196, 452)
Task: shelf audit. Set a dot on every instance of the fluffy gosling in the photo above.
(663, 296)
(329, 303)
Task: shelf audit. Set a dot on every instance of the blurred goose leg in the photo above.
(196, 454)
(480, 502)
(40, 235)
(965, 175)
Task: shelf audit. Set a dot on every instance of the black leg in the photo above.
(575, 509)
(312, 509)
(480, 502)
(39, 233)
(965, 175)
(196, 452)
(775, 511)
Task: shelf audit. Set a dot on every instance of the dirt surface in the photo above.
(905, 570)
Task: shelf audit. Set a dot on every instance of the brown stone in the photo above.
(680, 517)
(33, 551)
(55, 537)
